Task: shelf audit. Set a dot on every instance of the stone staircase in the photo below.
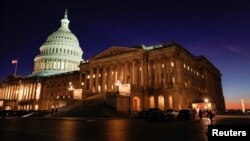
(93, 106)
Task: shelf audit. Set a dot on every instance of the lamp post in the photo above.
(71, 90)
(117, 84)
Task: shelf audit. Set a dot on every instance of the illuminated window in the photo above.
(151, 102)
(188, 67)
(197, 73)
(99, 88)
(70, 83)
(88, 76)
(186, 85)
(112, 72)
(173, 80)
(184, 65)
(161, 102)
(82, 83)
(93, 75)
(105, 87)
(162, 65)
(140, 68)
(172, 64)
(99, 75)
(170, 101)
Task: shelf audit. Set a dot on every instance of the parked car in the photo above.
(169, 114)
(139, 114)
(186, 114)
(154, 114)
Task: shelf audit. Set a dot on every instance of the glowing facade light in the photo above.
(206, 100)
(118, 83)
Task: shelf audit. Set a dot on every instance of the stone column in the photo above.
(118, 72)
(85, 81)
(125, 74)
(4, 92)
(142, 72)
(155, 74)
(159, 74)
(133, 72)
(97, 79)
(29, 91)
(103, 78)
(34, 91)
(109, 71)
(8, 92)
(91, 80)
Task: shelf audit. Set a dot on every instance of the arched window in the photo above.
(151, 102)
(161, 102)
(136, 104)
(170, 102)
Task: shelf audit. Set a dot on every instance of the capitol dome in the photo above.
(60, 53)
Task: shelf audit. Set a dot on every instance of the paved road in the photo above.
(74, 129)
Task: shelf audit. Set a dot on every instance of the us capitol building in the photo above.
(133, 78)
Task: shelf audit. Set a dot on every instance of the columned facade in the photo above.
(20, 94)
(163, 76)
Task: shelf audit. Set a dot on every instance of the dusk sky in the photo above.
(217, 29)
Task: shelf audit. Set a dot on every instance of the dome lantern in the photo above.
(65, 22)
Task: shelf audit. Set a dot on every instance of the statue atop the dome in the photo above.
(66, 14)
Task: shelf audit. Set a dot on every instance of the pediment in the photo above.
(113, 51)
(11, 78)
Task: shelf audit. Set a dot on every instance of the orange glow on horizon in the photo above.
(237, 104)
